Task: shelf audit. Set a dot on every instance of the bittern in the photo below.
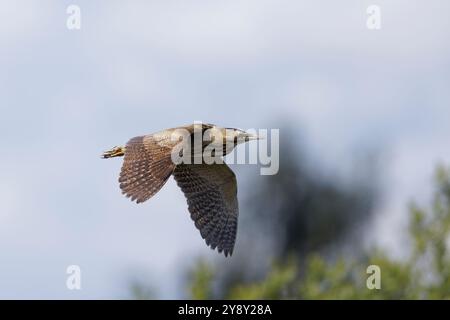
(210, 188)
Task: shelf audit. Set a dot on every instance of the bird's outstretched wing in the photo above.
(146, 168)
(211, 193)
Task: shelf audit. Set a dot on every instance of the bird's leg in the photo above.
(114, 152)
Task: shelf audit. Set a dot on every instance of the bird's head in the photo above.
(230, 136)
(237, 136)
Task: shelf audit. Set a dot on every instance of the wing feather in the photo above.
(211, 193)
(146, 168)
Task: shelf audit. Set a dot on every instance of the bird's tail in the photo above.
(114, 152)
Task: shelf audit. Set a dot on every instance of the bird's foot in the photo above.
(114, 152)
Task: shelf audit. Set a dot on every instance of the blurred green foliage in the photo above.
(140, 291)
(424, 274)
(200, 288)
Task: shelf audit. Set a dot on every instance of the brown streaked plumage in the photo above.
(210, 189)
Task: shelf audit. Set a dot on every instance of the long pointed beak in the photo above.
(251, 136)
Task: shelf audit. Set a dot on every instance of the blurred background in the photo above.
(364, 119)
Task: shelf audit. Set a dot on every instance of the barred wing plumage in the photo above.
(211, 193)
(146, 168)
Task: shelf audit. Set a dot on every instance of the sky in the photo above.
(137, 67)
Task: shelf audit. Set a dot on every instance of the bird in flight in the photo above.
(192, 154)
